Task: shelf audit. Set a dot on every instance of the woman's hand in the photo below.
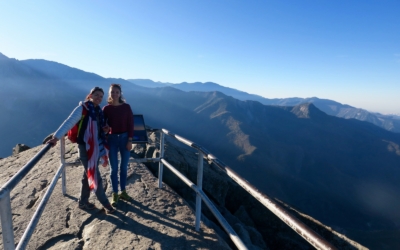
(129, 145)
(53, 141)
(106, 129)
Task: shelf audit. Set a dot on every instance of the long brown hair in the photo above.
(121, 98)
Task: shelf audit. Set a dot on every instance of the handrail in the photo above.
(5, 202)
(13, 181)
(35, 218)
(200, 195)
(232, 234)
(299, 227)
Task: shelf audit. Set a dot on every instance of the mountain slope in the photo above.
(26, 90)
(388, 122)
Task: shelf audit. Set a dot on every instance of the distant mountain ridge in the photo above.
(31, 85)
(343, 172)
(388, 122)
(58, 70)
(149, 83)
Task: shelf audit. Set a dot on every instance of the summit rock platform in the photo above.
(155, 219)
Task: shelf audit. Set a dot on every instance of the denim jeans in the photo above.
(117, 143)
(85, 190)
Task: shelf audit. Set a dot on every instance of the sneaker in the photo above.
(86, 206)
(125, 196)
(109, 209)
(114, 199)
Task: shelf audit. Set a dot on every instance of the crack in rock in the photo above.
(84, 226)
(85, 223)
(34, 191)
(67, 219)
(43, 185)
(32, 202)
(145, 187)
(53, 241)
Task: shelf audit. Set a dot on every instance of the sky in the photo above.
(342, 50)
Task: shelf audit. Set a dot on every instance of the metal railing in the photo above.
(200, 195)
(299, 227)
(5, 202)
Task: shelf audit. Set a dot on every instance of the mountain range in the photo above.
(330, 107)
(343, 172)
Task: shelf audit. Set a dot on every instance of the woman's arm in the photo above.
(105, 126)
(72, 119)
(130, 128)
(130, 122)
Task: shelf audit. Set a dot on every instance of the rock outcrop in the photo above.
(155, 219)
(19, 148)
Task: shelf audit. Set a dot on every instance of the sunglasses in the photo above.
(96, 89)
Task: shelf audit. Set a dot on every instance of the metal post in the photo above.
(62, 159)
(160, 165)
(228, 229)
(23, 242)
(200, 187)
(13, 181)
(6, 220)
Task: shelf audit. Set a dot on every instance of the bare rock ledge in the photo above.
(155, 219)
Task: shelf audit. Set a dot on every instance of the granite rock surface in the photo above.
(155, 219)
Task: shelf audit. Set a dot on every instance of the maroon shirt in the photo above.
(119, 118)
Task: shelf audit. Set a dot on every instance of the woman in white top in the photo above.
(90, 139)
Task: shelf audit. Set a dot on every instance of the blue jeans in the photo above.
(117, 143)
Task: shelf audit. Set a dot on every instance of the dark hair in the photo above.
(121, 98)
(92, 91)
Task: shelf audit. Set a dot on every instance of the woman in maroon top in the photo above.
(119, 116)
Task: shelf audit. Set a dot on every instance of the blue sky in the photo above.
(347, 51)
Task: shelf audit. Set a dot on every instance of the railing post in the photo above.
(200, 187)
(6, 220)
(228, 229)
(23, 242)
(62, 159)
(160, 166)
